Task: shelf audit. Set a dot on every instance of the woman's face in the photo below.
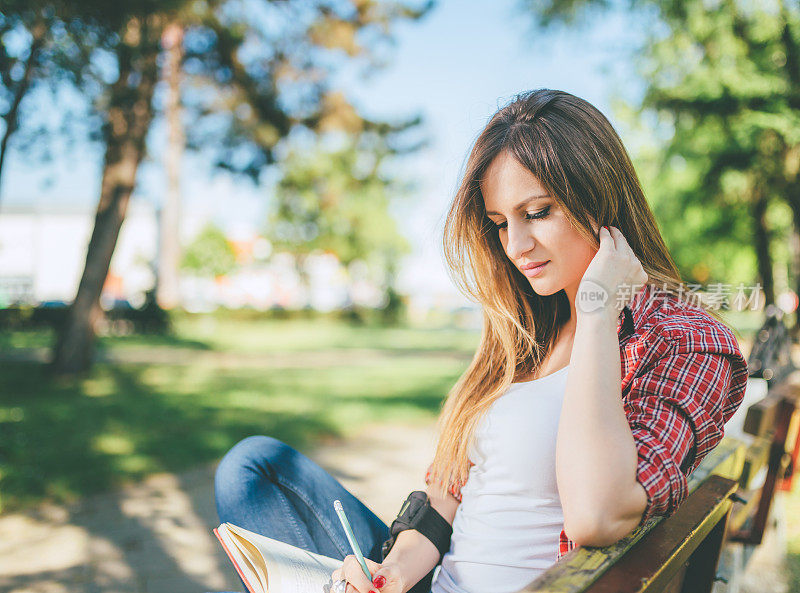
(533, 228)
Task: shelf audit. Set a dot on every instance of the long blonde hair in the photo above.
(573, 150)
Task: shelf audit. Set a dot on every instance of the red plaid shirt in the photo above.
(683, 377)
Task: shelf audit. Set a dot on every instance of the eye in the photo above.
(539, 214)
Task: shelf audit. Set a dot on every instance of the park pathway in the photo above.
(155, 536)
(238, 360)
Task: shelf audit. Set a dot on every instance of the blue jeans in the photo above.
(266, 486)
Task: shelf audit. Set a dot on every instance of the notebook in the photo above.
(267, 565)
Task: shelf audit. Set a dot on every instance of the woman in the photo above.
(595, 390)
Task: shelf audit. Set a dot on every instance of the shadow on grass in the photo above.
(60, 440)
(152, 340)
(35, 339)
(66, 440)
(63, 440)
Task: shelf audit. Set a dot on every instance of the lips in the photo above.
(532, 265)
(534, 268)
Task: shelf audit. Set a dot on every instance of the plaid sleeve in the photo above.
(677, 410)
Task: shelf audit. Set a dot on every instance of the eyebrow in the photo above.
(523, 203)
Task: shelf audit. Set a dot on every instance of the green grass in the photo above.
(65, 439)
(36, 338)
(793, 534)
(61, 440)
(215, 333)
(322, 334)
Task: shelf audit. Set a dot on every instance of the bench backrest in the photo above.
(655, 554)
(729, 496)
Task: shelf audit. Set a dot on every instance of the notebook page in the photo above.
(242, 561)
(290, 569)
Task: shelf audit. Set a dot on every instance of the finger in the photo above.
(616, 233)
(606, 239)
(379, 580)
(620, 241)
(382, 576)
(623, 246)
(336, 575)
(355, 575)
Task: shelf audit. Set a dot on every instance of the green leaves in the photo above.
(210, 253)
(337, 200)
(723, 83)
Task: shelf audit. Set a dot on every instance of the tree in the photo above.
(210, 254)
(127, 118)
(733, 115)
(726, 84)
(17, 72)
(247, 102)
(338, 201)
(35, 48)
(169, 231)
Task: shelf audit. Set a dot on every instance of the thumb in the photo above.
(383, 576)
(378, 580)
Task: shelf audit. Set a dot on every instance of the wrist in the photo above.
(604, 319)
(406, 566)
(395, 573)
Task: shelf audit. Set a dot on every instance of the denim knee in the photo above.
(247, 460)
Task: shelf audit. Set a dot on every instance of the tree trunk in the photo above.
(169, 239)
(38, 34)
(127, 121)
(761, 236)
(301, 267)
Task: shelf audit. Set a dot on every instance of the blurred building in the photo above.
(43, 251)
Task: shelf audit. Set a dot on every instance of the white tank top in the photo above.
(506, 529)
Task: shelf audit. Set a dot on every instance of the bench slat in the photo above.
(761, 415)
(659, 557)
(576, 571)
(756, 457)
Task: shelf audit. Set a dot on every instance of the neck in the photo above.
(572, 294)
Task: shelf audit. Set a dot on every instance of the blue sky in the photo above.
(455, 67)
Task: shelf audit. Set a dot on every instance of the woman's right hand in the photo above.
(386, 578)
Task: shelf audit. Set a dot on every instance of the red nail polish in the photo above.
(379, 581)
(373, 591)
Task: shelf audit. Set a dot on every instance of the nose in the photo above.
(519, 241)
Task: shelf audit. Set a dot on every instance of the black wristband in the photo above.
(417, 513)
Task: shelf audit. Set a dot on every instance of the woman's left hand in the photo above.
(613, 277)
(386, 577)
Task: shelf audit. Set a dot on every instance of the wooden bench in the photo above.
(729, 500)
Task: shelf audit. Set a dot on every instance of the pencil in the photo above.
(337, 505)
